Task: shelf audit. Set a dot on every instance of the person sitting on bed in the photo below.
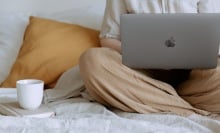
(111, 83)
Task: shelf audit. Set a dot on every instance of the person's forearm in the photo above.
(111, 43)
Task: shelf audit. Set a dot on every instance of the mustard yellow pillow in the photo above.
(49, 48)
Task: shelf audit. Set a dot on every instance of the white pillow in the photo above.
(12, 27)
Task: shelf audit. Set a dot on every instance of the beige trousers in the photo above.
(111, 83)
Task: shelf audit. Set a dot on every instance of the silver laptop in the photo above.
(170, 41)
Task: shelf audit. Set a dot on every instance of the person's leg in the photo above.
(202, 89)
(111, 83)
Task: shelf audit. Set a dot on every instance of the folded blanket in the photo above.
(70, 84)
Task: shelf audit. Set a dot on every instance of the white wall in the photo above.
(53, 5)
(46, 5)
(217, 5)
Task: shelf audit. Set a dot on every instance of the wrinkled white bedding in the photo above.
(78, 115)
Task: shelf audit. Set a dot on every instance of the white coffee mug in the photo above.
(30, 93)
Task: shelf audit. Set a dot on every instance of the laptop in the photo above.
(170, 41)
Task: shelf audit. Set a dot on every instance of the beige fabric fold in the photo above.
(111, 83)
(202, 89)
(69, 85)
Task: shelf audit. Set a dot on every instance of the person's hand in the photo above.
(111, 43)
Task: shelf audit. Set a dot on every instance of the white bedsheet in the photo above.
(78, 115)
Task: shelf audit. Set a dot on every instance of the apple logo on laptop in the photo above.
(170, 42)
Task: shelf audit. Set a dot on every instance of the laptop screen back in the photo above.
(170, 41)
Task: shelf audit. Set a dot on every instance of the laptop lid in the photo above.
(170, 41)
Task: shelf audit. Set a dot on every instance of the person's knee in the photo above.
(90, 60)
(96, 62)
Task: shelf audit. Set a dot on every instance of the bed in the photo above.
(74, 111)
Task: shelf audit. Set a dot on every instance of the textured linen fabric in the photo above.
(202, 89)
